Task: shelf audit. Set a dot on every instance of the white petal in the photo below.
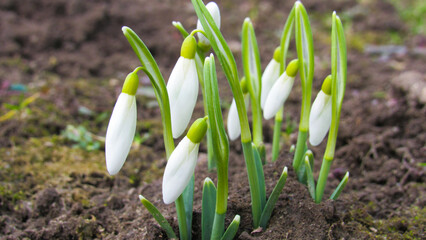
(270, 75)
(120, 132)
(179, 170)
(182, 88)
(233, 122)
(215, 12)
(234, 128)
(278, 95)
(319, 118)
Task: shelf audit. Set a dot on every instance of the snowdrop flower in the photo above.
(182, 87)
(122, 125)
(280, 90)
(181, 164)
(233, 122)
(270, 75)
(320, 116)
(213, 9)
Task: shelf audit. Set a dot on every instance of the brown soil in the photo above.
(74, 55)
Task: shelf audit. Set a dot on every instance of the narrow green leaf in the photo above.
(305, 54)
(232, 229)
(340, 187)
(188, 199)
(310, 178)
(260, 176)
(158, 217)
(251, 59)
(273, 198)
(207, 208)
(252, 72)
(220, 140)
(285, 39)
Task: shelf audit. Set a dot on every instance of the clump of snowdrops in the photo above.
(265, 93)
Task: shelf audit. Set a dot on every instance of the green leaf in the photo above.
(252, 72)
(338, 82)
(273, 198)
(340, 187)
(232, 229)
(158, 217)
(188, 199)
(220, 140)
(310, 178)
(260, 176)
(251, 60)
(207, 208)
(285, 39)
(151, 69)
(305, 54)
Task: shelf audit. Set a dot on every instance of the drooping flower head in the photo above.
(213, 9)
(233, 122)
(181, 164)
(280, 90)
(182, 87)
(122, 125)
(320, 116)
(270, 76)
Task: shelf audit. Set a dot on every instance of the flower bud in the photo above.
(320, 116)
(213, 9)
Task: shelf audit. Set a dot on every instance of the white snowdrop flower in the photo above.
(182, 87)
(213, 9)
(280, 90)
(270, 75)
(122, 125)
(320, 116)
(181, 164)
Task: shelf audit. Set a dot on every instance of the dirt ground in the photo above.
(62, 64)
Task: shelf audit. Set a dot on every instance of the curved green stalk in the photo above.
(338, 84)
(305, 54)
(151, 69)
(277, 134)
(252, 72)
(285, 42)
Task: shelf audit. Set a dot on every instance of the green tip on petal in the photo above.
(243, 85)
(326, 85)
(189, 46)
(277, 54)
(131, 83)
(198, 130)
(292, 68)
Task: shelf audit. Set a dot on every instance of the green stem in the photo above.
(277, 134)
(180, 210)
(254, 185)
(300, 149)
(218, 226)
(322, 179)
(257, 123)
